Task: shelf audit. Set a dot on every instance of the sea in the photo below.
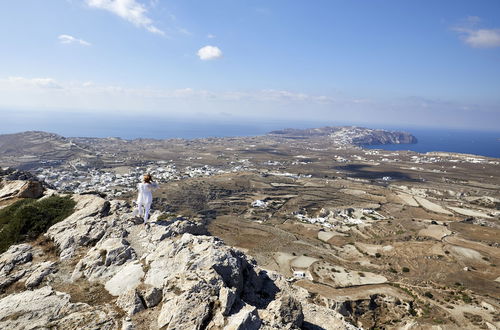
(131, 127)
(481, 143)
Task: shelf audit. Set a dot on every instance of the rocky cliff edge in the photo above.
(101, 268)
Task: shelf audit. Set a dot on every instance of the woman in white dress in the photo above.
(145, 196)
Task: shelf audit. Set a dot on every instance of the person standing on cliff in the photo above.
(145, 195)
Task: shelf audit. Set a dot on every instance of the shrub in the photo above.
(428, 294)
(27, 219)
(406, 269)
(378, 255)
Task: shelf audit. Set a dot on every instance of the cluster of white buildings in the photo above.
(348, 216)
(116, 182)
(109, 181)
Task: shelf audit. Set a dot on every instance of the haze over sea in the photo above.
(484, 143)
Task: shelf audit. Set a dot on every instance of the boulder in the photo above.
(319, 317)
(10, 189)
(179, 226)
(152, 296)
(32, 189)
(21, 189)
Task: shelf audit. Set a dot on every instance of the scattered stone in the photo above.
(152, 296)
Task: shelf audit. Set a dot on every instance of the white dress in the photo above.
(145, 198)
(145, 195)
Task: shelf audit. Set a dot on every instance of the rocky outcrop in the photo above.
(15, 255)
(20, 189)
(41, 271)
(84, 227)
(45, 308)
(167, 274)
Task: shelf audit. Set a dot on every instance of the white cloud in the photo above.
(478, 37)
(30, 91)
(46, 95)
(209, 53)
(482, 38)
(67, 39)
(211, 36)
(21, 82)
(130, 10)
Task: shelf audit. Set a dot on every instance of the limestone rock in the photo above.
(227, 298)
(84, 227)
(39, 274)
(15, 255)
(127, 324)
(152, 296)
(199, 281)
(104, 260)
(20, 189)
(130, 302)
(45, 308)
(319, 317)
(128, 277)
(245, 319)
(179, 226)
(7, 280)
(285, 313)
(194, 253)
(31, 189)
(188, 310)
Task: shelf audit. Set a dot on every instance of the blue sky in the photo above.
(391, 62)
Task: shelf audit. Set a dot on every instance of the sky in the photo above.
(370, 62)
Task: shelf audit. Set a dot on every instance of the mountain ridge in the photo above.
(166, 275)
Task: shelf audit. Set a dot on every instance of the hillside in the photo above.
(386, 239)
(102, 268)
(30, 150)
